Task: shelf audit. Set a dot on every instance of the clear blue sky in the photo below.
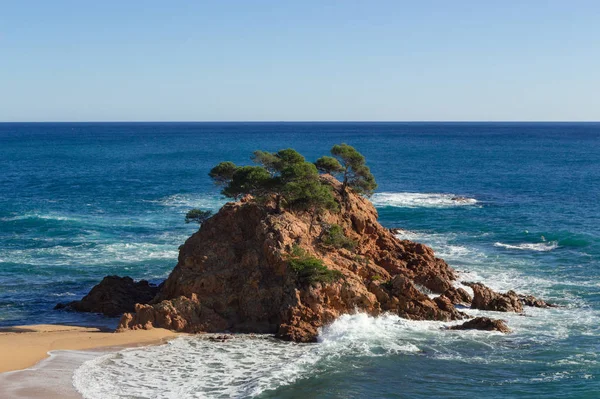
(302, 60)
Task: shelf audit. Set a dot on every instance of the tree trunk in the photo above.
(345, 187)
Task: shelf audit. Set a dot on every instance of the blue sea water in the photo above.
(79, 201)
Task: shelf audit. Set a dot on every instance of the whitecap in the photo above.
(190, 200)
(416, 200)
(67, 293)
(539, 247)
(27, 216)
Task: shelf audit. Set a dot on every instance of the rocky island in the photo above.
(294, 251)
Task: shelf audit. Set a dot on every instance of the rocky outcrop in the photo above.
(483, 323)
(401, 296)
(530, 300)
(114, 296)
(485, 298)
(234, 274)
(458, 296)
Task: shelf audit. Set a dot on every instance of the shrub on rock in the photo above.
(334, 237)
(309, 269)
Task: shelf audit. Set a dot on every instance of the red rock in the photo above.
(530, 300)
(458, 295)
(485, 298)
(233, 274)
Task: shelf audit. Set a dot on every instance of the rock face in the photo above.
(483, 323)
(485, 298)
(458, 296)
(114, 296)
(530, 300)
(234, 274)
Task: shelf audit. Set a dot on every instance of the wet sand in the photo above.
(24, 346)
(27, 371)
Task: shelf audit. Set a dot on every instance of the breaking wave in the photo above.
(539, 247)
(245, 366)
(252, 365)
(416, 200)
(249, 365)
(444, 245)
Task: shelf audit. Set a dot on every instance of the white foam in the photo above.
(49, 378)
(134, 252)
(189, 201)
(366, 335)
(36, 216)
(500, 271)
(444, 245)
(416, 200)
(433, 239)
(195, 367)
(246, 366)
(539, 247)
(67, 293)
(101, 254)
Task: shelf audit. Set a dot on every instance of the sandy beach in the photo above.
(38, 361)
(24, 346)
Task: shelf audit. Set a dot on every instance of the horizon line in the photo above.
(309, 121)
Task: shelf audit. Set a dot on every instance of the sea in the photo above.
(79, 201)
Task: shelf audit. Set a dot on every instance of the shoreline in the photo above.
(25, 346)
(39, 360)
(50, 378)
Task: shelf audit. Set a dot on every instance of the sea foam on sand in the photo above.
(49, 379)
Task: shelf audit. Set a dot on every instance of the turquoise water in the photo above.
(80, 201)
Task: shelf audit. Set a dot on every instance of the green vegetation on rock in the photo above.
(350, 165)
(329, 165)
(286, 178)
(309, 269)
(334, 237)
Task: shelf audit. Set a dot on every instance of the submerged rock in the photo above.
(221, 338)
(234, 274)
(114, 296)
(483, 323)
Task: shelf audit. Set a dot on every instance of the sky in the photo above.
(309, 60)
